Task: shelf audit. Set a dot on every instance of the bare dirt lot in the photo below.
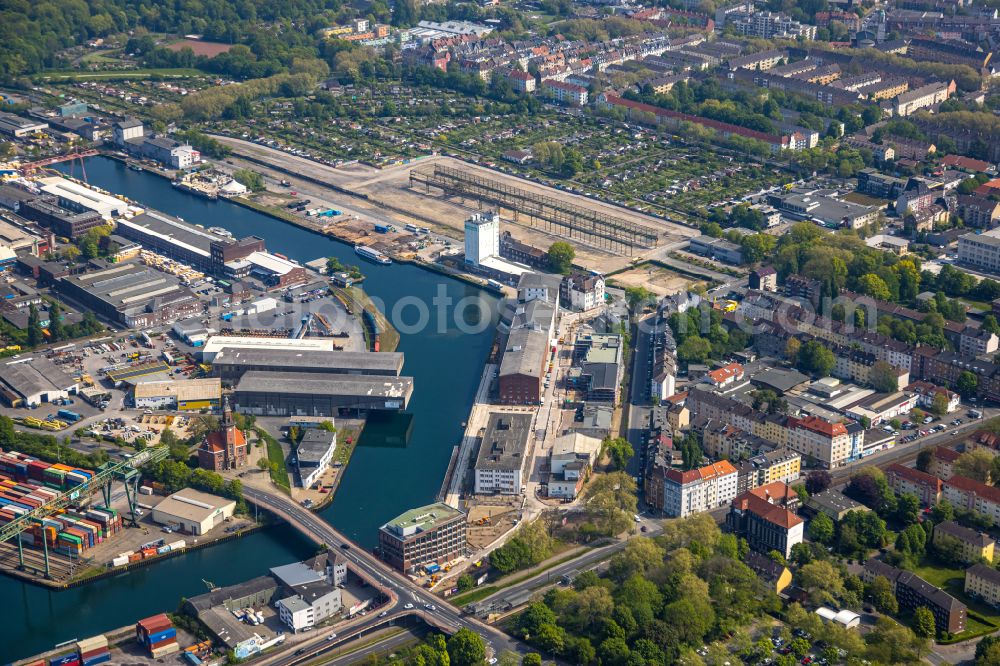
(659, 280)
(200, 48)
(392, 186)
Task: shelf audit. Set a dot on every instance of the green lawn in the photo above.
(165, 72)
(276, 456)
(952, 581)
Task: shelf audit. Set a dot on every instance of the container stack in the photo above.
(69, 659)
(93, 651)
(20, 467)
(157, 633)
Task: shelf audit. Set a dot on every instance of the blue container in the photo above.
(65, 660)
(162, 636)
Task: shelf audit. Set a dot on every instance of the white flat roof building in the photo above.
(194, 511)
(79, 198)
(217, 343)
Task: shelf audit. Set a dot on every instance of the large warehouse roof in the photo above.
(84, 197)
(217, 343)
(127, 285)
(291, 383)
(176, 231)
(29, 377)
(185, 390)
(319, 361)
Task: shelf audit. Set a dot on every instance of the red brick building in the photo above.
(226, 448)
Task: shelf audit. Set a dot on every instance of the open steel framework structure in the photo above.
(609, 232)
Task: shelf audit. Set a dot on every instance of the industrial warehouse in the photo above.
(231, 364)
(215, 253)
(131, 294)
(316, 394)
(191, 394)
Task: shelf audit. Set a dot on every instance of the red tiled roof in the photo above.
(986, 438)
(963, 162)
(708, 472)
(982, 490)
(216, 441)
(817, 424)
(760, 506)
(914, 476)
(562, 85)
(726, 372)
(946, 454)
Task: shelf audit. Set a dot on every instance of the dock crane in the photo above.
(126, 471)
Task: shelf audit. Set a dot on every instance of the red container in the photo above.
(93, 653)
(165, 642)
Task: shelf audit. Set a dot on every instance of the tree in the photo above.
(923, 622)
(561, 255)
(822, 581)
(619, 450)
(792, 349)
(880, 593)
(532, 659)
(874, 286)
(821, 528)
(34, 327)
(466, 648)
(967, 384)
(252, 180)
(696, 349)
(976, 464)
(939, 405)
(636, 296)
(884, 377)
(815, 358)
(609, 501)
(639, 556)
(465, 582)
(818, 481)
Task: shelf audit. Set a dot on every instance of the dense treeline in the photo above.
(32, 33)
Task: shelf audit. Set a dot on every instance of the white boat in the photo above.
(372, 255)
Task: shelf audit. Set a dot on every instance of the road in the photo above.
(519, 593)
(400, 590)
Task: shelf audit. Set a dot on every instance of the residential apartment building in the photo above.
(942, 460)
(582, 291)
(975, 545)
(978, 211)
(972, 495)
(521, 81)
(765, 517)
(433, 534)
(920, 98)
(499, 467)
(698, 490)
(565, 93)
(983, 582)
(829, 444)
(906, 480)
(912, 592)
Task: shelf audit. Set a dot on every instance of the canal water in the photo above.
(397, 465)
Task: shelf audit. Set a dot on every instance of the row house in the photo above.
(912, 592)
(972, 495)
(906, 480)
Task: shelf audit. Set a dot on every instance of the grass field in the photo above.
(276, 456)
(166, 73)
(952, 581)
